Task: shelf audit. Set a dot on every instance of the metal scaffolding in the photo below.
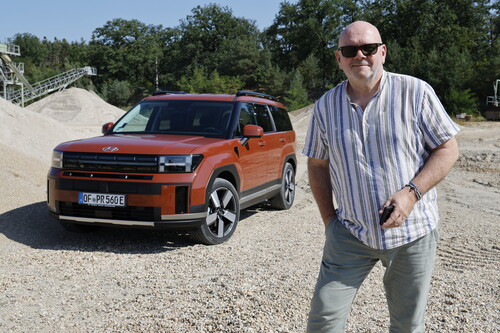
(14, 86)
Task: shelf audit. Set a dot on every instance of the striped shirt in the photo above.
(373, 153)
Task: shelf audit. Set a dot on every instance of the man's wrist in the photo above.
(415, 190)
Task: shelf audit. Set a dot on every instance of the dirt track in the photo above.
(117, 280)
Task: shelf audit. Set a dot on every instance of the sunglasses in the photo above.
(366, 49)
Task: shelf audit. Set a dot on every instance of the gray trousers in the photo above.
(346, 263)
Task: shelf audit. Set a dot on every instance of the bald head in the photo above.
(363, 69)
(359, 31)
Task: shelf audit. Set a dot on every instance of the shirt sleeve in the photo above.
(436, 124)
(315, 144)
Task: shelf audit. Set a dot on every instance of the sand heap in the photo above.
(66, 115)
(30, 133)
(78, 107)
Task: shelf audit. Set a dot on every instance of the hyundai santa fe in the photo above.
(181, 161)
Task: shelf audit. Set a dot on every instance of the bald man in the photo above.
(377, 140)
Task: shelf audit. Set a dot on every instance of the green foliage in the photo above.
(200, 82)
(452, 44)
(310, 71)
(270, 78)
(309, 27)
(214, 39)
(296, 96)
(43, 59)
(128, 50)
(117, 92)
(462, 102)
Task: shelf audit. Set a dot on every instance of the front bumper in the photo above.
(148, 203)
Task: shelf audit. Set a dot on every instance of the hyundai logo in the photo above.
(110, 149)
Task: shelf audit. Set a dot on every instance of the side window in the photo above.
(263, 117)
(281, 119)
(247, 116)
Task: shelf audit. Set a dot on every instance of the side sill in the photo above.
(259, 194)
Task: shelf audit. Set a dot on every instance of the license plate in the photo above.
(101, 199)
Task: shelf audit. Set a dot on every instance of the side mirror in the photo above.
(251, 131)
(105, 128)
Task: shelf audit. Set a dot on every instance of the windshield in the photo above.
(201, 118)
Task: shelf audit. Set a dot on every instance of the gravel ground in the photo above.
(125, 280)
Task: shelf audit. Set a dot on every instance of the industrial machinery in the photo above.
(15, 88)
(492, 111)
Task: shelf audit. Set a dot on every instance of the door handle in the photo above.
(262, 143)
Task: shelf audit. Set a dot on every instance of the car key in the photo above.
(385, 215)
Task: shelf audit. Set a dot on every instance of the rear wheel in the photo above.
(223, 213)
(284, 200)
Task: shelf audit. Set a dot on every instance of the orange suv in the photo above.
(178, 160)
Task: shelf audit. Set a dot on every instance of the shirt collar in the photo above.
(383, 79)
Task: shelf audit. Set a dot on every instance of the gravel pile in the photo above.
(125, 280)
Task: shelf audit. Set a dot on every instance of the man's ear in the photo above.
(337, 56)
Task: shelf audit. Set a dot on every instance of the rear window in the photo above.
(281, 119)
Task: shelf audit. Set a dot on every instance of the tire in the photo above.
(284, 200)
(223, 213)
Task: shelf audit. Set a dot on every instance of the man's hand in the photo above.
(403, 202)
(435, 169)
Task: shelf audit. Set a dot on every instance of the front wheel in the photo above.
(223, 213)
(284, 200)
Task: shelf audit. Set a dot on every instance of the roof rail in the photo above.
(167, 92)
(255, 94)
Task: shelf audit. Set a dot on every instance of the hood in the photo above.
(155, 144)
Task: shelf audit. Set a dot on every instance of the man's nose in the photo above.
(359, 54)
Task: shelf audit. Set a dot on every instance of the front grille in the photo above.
(117, 213)
(110, 162)
(106, 175)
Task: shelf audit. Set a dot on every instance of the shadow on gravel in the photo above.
(32, 226)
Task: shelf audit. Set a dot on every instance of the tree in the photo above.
(117, 92)
(310, 71)
(240, 57)
(297, 95)
(128, 50)
(32, 49)
(271, 79)
(199, 82)
(214, 39)
(443, 42)
(462, 102)
(309, 27)
(452, 44)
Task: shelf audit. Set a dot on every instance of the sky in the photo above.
(75, 20)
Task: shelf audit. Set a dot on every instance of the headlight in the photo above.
(179, 163)
(57, 159)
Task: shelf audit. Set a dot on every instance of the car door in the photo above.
(253, 155)
(272, 142)
(283, 141)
